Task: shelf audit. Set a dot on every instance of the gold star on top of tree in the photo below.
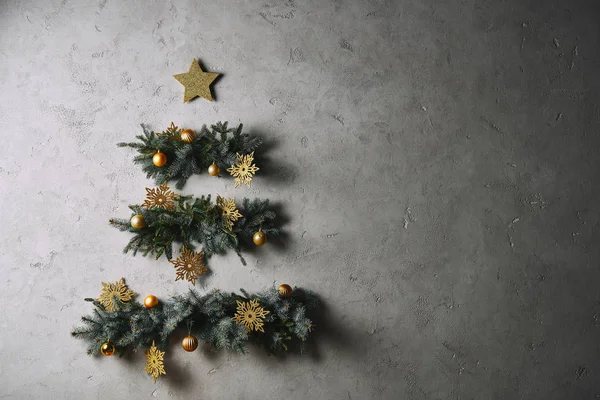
(113, 292)
(251, 315)
(196, 82)
(229, 212)
(161, 197)
(154, 362)
(189, 265)
(243, 170)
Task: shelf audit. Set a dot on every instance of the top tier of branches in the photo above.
(218, 144)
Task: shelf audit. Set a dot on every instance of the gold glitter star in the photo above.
(243, 169)
(196, 82)
(161, 197)
(154, 362)
(189, 265)
(110, 291)
(250, 314)
(229, 211)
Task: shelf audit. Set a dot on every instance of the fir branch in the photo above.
(219, 144)
(133, 327)
(196, 221)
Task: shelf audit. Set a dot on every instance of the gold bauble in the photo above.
(259, 238)
(150, 301)
(188, 135)
(285, 290)
(214, 170)
(107, 349)
(159, 159)
(137, 221)
(189, 343)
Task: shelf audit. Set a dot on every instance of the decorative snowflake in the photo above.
(189, 265)
(161, 197)
(112, 291)
(250, 314)
(173, 132)
(229, 211)
(243, 170)
(154, 362)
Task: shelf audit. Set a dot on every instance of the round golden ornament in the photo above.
(159, 159)
(107, 349)
(259, 238)
(285, 290)
(188, 135)
(137, 221)
(214, 170)
(150, 301)
(189, 343)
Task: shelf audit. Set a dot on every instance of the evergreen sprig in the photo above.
(218, 144)
(209, 317)
(195, 221)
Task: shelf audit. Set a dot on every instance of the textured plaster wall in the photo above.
(437, 162)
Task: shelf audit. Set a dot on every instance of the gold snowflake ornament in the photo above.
(173, 132)
(112, 291)
(250, 314)
(243, 170)
(154, 362)
(229, 211)
(161, 197)
(189, 265)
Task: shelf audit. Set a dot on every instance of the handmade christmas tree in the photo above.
(275, 319)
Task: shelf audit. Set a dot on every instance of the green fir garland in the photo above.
(193, 221)
(219, 144)
(210, 317)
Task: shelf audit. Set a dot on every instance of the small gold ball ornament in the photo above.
(259, 238)
(150, 301)
(188, 135)
(189, 343)
(214, 170)
(159, 159)
(285, 290)
(107, 349)
(137, 221)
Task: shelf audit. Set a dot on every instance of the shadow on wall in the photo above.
(331, 330)
(214, 83)
(272, 172)
(328, 331)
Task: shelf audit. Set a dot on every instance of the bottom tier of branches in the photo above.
(275, 319)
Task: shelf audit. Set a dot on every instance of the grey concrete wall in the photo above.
(437, 161)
